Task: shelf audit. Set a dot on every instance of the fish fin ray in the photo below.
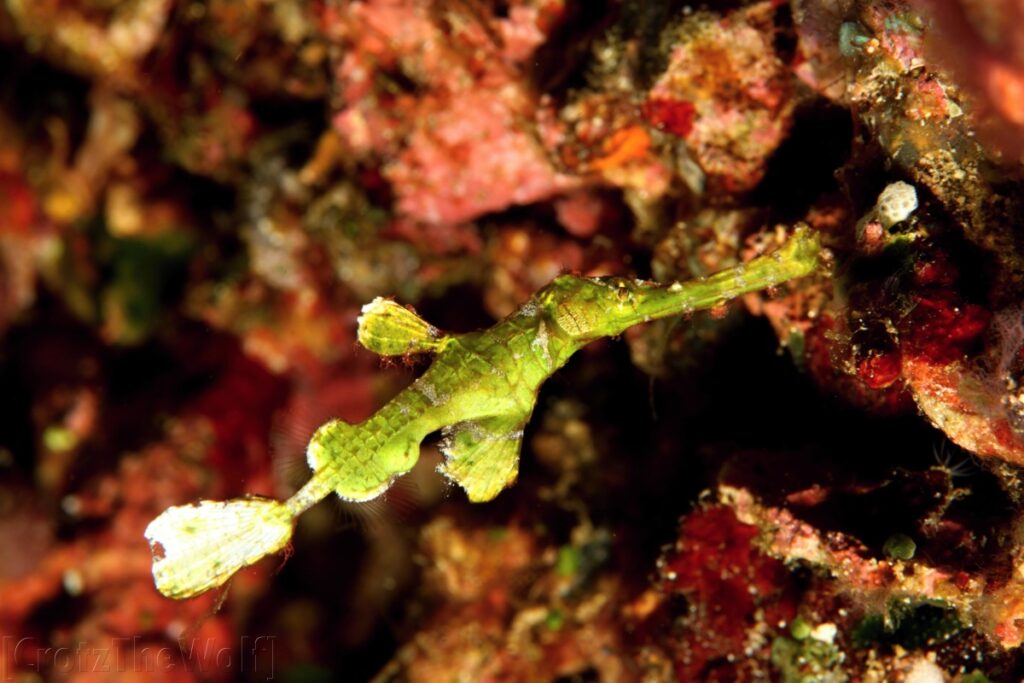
(389, 329)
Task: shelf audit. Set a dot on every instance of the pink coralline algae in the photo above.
(727, 95)
(471, 159)
(460, 120)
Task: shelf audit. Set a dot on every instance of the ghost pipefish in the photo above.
(479, 391)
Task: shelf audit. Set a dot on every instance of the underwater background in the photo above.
(817, 483)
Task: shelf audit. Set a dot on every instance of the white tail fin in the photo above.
(199, 547)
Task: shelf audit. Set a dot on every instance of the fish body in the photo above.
(479, 391)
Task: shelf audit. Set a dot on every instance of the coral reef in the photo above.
(821, 482)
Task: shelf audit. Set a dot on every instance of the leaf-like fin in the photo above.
(482, 456)
(199, 547)
(390, 329)
(353, 463)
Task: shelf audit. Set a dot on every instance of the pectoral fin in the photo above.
(390, 329)
(482, 456)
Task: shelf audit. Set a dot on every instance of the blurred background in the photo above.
(818, 483)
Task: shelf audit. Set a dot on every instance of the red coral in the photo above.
(934, 270)
(671, 116)
(880, 370)
(941, 327)
(18, 206)
(873, 387)
(731, 585)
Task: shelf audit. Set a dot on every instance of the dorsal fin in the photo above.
(390, 329)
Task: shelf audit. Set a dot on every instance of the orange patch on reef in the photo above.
(623, 146)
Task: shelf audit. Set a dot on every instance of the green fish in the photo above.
(479, 392)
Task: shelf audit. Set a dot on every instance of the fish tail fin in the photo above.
(199, 547)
